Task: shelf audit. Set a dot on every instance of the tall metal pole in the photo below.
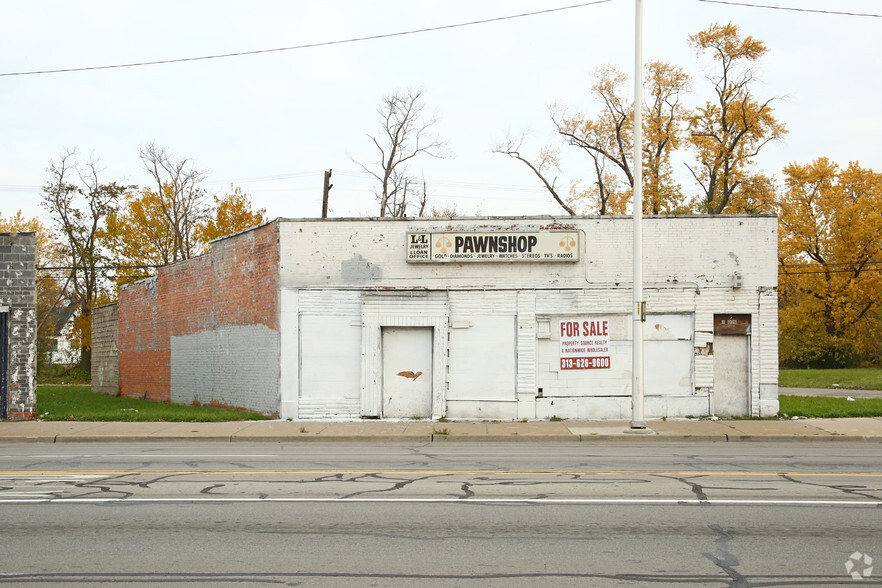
(637, 419)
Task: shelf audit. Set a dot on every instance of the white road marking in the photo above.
(550, 501)
(137, 455)
(40, 479)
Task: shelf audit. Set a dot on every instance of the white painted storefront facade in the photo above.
(377, 322)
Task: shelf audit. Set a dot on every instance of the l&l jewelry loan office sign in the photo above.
(461, 247)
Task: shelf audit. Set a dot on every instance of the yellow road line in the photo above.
(500, 473)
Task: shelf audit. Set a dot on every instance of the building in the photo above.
(61, 350)
(105, 351)
(496, 318)
(18, 325)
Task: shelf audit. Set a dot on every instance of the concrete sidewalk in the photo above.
(853, 429)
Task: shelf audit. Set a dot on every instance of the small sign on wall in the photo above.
(584, 344)
(731, 324)
(503, 246)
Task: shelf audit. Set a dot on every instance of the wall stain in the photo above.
(360, 270)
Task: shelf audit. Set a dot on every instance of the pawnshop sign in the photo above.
(498, 246)
(584, 344)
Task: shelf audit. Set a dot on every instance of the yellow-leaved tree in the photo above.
(608, 138)
(830, 272)
(232, 213)
(724, 135)
(142, 236)
(730, 130)
(139, 235)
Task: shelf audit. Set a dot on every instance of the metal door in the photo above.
(4, 363)
(731, 375)
(407, 372)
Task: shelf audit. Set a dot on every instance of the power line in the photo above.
(792, 9)
(806, 270)
(837, 268)
(286, 176)
(836, 264)
(805, 273)
(98, 267)
(18, 188)
(107, 276)
(307, 45)
(300, 175)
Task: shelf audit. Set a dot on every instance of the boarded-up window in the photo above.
(482, 359)
(667, 359)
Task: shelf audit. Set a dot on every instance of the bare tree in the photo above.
(547, 161)
(608, 140)
(406, 131)
(610, 134)
(78, 203)
(609, 137)
(445, 211)
(182, 201)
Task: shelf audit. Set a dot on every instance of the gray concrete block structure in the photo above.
(105, 349)
(18, 326)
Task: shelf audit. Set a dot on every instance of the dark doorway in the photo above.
(4, 363)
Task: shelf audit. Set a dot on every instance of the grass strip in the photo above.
(79, 403)
(856, 379)
(824, 407)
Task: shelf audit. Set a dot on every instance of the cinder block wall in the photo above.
(105, 350)
(206, 330)
(18, 300)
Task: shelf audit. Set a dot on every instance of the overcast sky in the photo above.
(271, 123)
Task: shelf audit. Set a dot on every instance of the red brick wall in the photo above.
(237, 283)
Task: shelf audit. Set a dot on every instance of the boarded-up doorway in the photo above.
(407, 372)
(732, 365)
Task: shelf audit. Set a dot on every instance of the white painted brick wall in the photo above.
(689, 267)
(678, 251)
(768, 357)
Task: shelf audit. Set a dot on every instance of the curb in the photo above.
(331, 439)
(136, 439)
(428, 439)
(830, 438)
(506, 438)
(30, 439)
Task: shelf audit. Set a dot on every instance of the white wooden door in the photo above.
(407, 372)
(731, 375)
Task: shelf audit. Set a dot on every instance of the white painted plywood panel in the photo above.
(483, 359)
(330, 357)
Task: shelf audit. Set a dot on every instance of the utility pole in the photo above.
(638, 422)
(326, 192)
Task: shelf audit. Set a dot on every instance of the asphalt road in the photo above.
(451, 515)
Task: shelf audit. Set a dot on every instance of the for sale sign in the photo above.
(584, 344)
